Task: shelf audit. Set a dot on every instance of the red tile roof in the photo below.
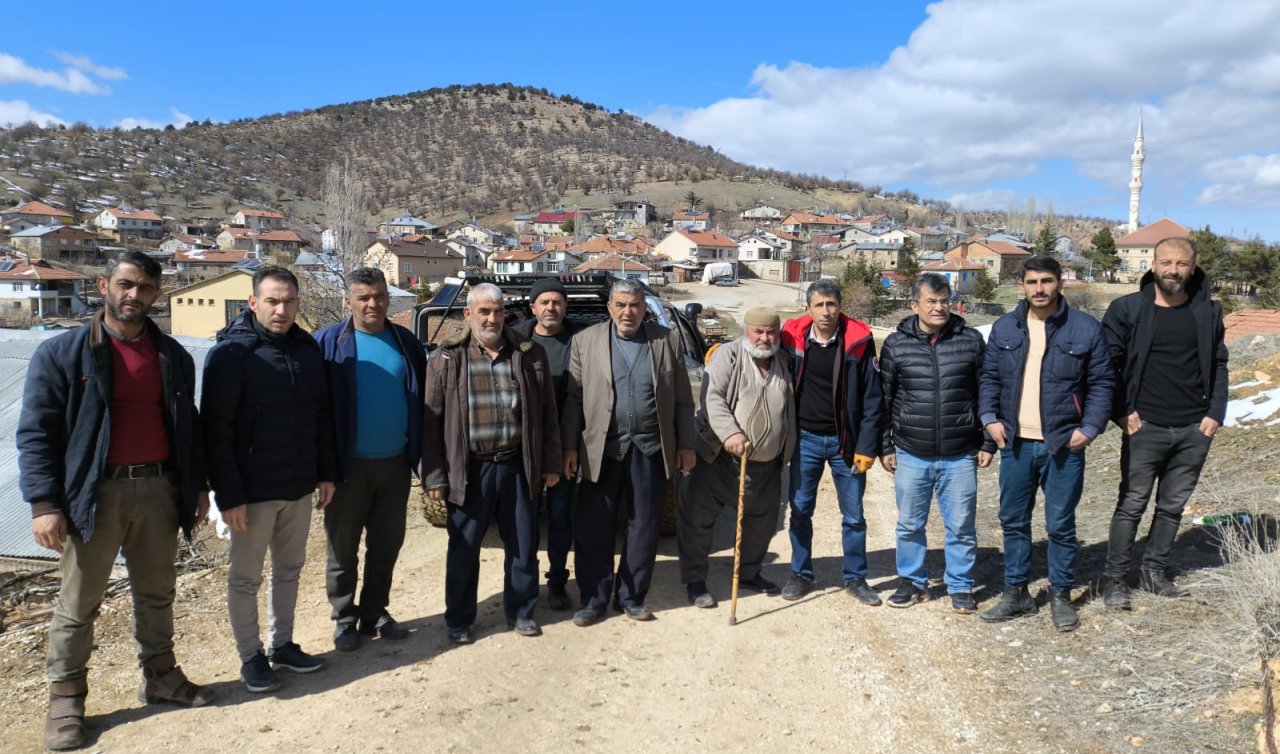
(279, 236)
(1154, 233)
(34, 207)
(261, 213)
(609, 245)
(1250, 322)
(612, 263)
(553, 217)
(681, 215)
(954, 264)
(133, 214)
(39, 270)
(709, 238)
(519, 255)
(1005, 249)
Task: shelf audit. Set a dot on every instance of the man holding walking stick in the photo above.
(748, 409)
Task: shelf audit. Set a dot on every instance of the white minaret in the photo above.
(1135, 183)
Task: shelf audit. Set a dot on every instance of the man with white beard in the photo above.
(747, 408)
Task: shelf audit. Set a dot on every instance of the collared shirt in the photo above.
(493, 399)
(813, 335)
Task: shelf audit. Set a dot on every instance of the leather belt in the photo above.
(136, 471)
(497, 456)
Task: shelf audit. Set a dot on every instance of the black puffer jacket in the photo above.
(931, 390)
(269, 434)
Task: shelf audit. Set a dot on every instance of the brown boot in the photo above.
(64, 725)
(172, 687)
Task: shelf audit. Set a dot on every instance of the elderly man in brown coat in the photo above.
(747, 408)
(628, 424)
(490, 441)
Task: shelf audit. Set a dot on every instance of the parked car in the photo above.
(442, 317)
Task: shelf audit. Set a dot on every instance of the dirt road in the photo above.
(821, 674)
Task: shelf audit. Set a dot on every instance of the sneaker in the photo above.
(460, 635)
(524, 626)
(291, 657)
(1159, 584)
(1064, 613)
(862, 592)
(1016, 602)
(257, 675)
(963, 603)
(759, 583)
(345, 637)
(386, 627)
(907, 595)
(557, 597)
(1115, 594)
(699, 596)
(796, 587)
(587, 616)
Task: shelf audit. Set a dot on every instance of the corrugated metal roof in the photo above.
(16, 349)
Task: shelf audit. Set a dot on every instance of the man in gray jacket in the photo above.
(747, 408)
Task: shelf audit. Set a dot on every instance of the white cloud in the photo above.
(987, 90)
(177, 119)
(1244, 179)
(17, 112)
(83, 63)
(13, 70)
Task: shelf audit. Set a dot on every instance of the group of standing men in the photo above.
(116, 458)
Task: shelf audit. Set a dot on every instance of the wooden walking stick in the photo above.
(737, 537)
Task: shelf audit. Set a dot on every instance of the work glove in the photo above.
(863, 463)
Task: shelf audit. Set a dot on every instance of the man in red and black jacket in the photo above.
(837, 387)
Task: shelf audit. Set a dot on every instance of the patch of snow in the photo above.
(1255, 408)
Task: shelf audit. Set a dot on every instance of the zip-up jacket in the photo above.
(931, 390)
(857, 394)
(446, 448)
(269, 427)
(1130, 328)
(64, 430)
(558, 371)
(1076, 378)
(338, 343)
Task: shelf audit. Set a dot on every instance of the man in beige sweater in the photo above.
(747, 407)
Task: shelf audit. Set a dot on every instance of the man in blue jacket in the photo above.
(1044, 395)
(110, 458)
(269, 439)
(838, 399)
(375, 382)
(1168, 351)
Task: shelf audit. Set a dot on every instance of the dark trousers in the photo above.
(713, 487)
(1170, 457)
(372, 502)
(559, 531)
(494, 490)
(594, 534)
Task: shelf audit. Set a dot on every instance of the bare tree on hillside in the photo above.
(345, 199)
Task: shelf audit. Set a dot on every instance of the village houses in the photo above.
(38, 289)
(1002, 260)
(698, 247)
(64, 242)
(122, 222)
(412, 260)
(1136, 251)
(33, 213)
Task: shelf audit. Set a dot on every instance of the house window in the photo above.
(234, 308)
(407, 267)
(201, 302)
(17, 304)
(18, 286)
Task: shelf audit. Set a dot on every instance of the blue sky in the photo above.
(984, 102)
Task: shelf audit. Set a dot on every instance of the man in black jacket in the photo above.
(1167, 346)
(110, 459)
(270, 441)
(549, 328)
(933, 441)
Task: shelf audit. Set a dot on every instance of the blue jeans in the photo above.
(955, 479)
(812, 453)
(1024, 466)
